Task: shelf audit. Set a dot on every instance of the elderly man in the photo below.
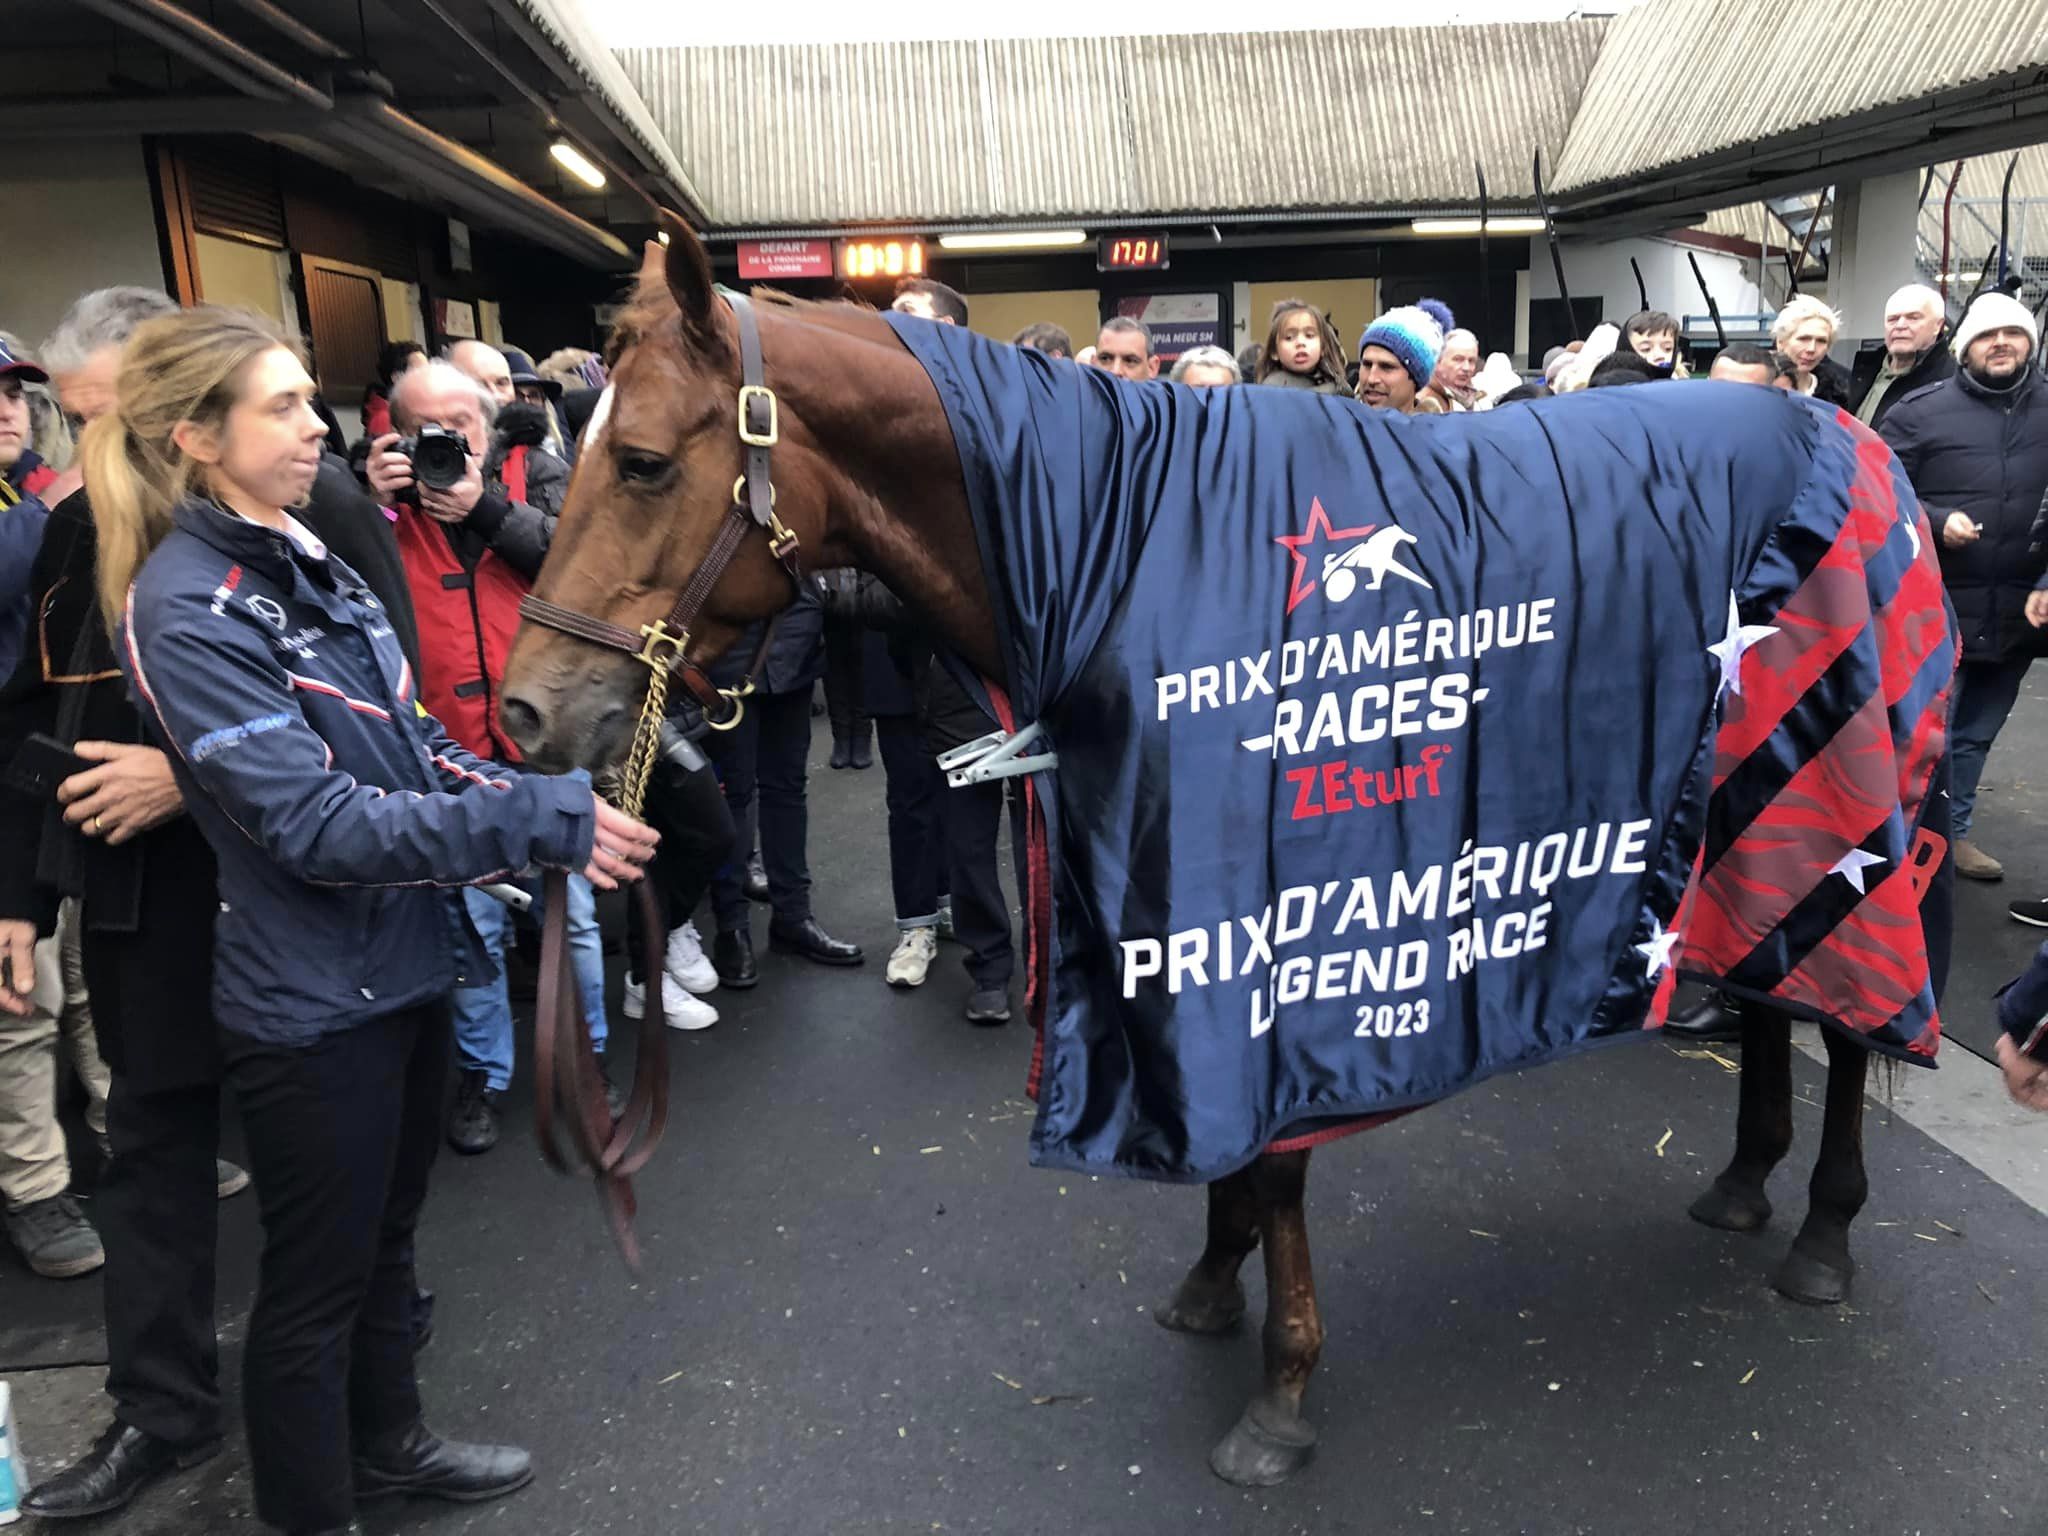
(1451, 384)
(1913, 355)
(1976, 449)
(488, 366)
(1204, 368)
(1124, 347)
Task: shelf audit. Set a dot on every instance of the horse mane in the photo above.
(652, 306)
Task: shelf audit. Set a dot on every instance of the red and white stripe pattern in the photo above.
(360, 706)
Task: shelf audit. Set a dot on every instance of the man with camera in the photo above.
(474, 508)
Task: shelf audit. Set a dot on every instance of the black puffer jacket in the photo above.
(947, 714)
(1981, 451)
(1936, 364)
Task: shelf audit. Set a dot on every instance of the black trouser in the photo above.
(844, 644)
(764, 761)
(688, 809)
(917, 848)
(342, 1134)
(972, 819)
(158, 1213)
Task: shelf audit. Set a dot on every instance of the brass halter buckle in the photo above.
(656, 635)
(773, 434)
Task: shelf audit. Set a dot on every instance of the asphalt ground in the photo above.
(863, 1311)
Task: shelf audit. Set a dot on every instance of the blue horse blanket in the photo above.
(1398, 752)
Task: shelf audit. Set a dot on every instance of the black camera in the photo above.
(439, 460)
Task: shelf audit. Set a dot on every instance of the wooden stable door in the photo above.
(345, 315)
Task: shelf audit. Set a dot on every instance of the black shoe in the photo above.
(2033, 913)
(1712, 1018)
(422, 1319)
(417, 1463)
(863, 754)
(842, 750)
(121, 1463)
(757, 880)
(614, 1095)
(473, 1123)
(812, 942)
(989, 1005)
(732, 956)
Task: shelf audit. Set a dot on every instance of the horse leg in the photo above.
(1272, 1441)
(1763, 1125)
(1211, 1298)
(1818, 1269)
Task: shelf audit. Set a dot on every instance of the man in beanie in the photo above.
(1976, 449)
(1398, 353)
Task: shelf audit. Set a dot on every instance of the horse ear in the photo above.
(688, 271)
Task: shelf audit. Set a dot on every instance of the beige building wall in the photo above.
(401, 311)
(81, 218)
(1002, 315)
(1352, 303)
(242, 277)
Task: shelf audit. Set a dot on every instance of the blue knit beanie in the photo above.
(1414, 333)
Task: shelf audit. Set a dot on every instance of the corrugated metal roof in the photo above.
(1210, 123)
(1741, 71)
(570, 31)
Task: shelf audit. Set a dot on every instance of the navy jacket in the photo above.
(1985, 452)
(340, 813)
(2023, 1007)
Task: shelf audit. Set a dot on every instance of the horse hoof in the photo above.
(1258, 1454)
(1198, 1308)
(1814, 1281)
(1731, 1210)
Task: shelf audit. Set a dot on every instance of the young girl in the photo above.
(1302, 351)
(1653, 336)
(343, 820)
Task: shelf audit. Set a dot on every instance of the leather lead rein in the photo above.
(566, 1076)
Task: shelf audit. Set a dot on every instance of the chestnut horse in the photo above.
(866, 475)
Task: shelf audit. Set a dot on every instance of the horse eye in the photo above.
(642, 468)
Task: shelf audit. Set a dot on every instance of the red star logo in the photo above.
(1302, 584)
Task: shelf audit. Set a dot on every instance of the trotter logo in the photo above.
(1378, 557)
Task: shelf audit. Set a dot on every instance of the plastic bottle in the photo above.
(13, 1469)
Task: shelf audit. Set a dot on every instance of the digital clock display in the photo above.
(1131, 253)
(881, 258)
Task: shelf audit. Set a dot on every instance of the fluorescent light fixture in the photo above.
(1521, 226)
(577, 164)
(1022, 240)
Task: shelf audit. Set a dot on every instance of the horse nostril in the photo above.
(521, 719)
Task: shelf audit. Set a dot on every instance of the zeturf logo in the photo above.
(1342, 555)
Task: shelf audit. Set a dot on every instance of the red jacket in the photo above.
(467, 618)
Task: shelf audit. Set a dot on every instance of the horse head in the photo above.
(660, 470)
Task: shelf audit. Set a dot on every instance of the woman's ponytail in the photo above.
(130, 514)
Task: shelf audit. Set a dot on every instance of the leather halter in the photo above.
(566, 1076)
(665, 645)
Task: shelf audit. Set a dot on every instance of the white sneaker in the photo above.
(688, 966)
(912, 958)
(684, 1011)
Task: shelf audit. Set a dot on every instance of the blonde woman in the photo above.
(1802, 334)
(342, 819)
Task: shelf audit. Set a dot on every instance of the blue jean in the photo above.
(1984, 696)
(483, 1014)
